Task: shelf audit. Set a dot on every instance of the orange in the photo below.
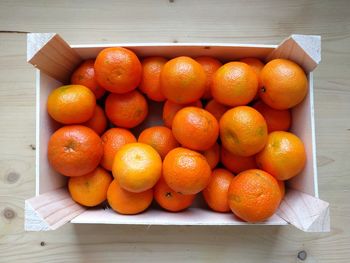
(186, 171)
(128, 203)
(137, 167)
(183, 80)
(118, 69)
(254, 195)
(195, 128)
(234, 84)
(90, 189)
(150, 82)
(216, 108)
(212, 155)
(284, 155)
(85, 75)
(276, 120)
(170, 200)
(71, 104)
(236, 163)
(257, 66)
(210, 66)
(215, 194)
(285, 84)
(98, 121)
(126, 110)
(112, 141)
(282, 188)
(160, 138)
(74, 150)
(171, 108)
(243, 131)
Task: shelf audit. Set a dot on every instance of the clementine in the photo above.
(236, 163)
(216, 108)
(98, 121)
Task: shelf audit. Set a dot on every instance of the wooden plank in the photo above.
(52, 55)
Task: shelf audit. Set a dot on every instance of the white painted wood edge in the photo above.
(303, 49)
(50, 211)
(305, 212)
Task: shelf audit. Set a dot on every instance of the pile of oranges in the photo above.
(224, 133)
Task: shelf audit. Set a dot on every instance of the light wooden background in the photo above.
(84, 22)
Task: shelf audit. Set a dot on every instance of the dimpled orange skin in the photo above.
(85, 75)
(212, 155)
(215, 194)
(112, 140)
(90, 189)
(126, 110)
(234, 84)
(74, 150)
(285, 84)
(284, 155)
(236, 163)
(137, 167)
(195, 128)
(98, 121)
(118, 70)
(150, 82)
(282, 188)
(160, 138)
(186, 171)
(276, 120)
(243, 131)
(128, 203)
(183, 80)
(257, 66)
(210, 66)
(71, 104)
(170, 109)
(216, 108)
(254, 195)
(170, 200)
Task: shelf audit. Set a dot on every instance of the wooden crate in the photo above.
(52, 206)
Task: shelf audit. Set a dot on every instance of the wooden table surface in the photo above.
(263, 22)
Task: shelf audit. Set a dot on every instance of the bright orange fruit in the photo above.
(236, 163)
(170, 109)
(98, 121)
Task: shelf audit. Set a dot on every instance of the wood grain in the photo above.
(263, 22)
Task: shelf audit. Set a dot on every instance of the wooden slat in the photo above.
(51, 210)
(52, 55)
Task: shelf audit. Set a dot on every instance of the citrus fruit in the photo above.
(85, 75)
(126, 110)
(137, 167)
(182, 80)
(150, 82)
(90, 189)
(215, 194)
(282, 188)
(236, 163)
(128, 203)
(210, 66)
(234, 84)
(216, 108)
(186, 171)
(285, 84)
(257, 65)
(112, 140)
(170, 109)
(98, 121)
(243, 131)
(160, 138)
(254, 195)
(276, 120)
(118, 69)
(170, 200)
(74, 150)
(212, 155)
(195, 128)
(284, 155)
(71, 104)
